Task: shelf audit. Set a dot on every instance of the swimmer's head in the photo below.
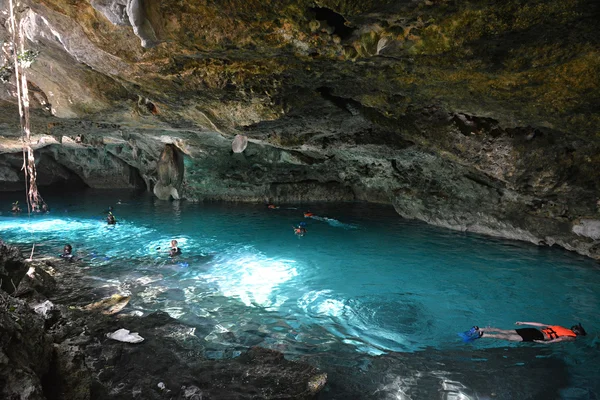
(173, 243)
(68, 248)
(578, 330)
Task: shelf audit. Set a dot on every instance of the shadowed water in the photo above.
(363, 291)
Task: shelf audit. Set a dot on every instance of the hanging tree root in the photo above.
(35, 202)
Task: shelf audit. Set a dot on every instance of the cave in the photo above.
(51, 175)
(335, 20)
(332, 200)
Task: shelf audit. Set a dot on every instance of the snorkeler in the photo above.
(300, 230)
(308, 214)
(110, 219)
(547, 333)
(15, 207)
(272, 207)
(67, 252)
(174, 250)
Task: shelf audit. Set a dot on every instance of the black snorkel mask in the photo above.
(578, 329)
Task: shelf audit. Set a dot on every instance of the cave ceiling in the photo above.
(365, 97)
(230, 65)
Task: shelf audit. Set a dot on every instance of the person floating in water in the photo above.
(39, 208)
(308, 214)
(110, 219)
(15, 208)
(546, 333)
(300, 230)
(272, 207)
(174, 250)
(67, 252)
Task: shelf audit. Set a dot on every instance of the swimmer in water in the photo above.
(67, 252)
(300, 230)
(174, 250)
(110, 219)
(308, 214)
(15, 208)
(546, 333)
(272, 207)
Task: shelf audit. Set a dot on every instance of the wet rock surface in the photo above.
(12, 268)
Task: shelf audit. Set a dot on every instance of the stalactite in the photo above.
(35, 202)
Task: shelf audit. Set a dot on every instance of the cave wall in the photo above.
(473, 116)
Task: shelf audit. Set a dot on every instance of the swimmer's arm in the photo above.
(559, 339)
(531, 324)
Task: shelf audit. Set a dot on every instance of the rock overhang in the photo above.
(501, 91)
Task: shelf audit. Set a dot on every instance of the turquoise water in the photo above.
(361, 286)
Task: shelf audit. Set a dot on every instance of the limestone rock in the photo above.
(12, 267)
(239, 144)
(25, 351)
(588, 228)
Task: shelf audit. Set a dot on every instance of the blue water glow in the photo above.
(362, 281)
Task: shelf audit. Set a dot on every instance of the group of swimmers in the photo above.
(174, 251)
(546, 334)
(300, 229)
(67, 253)
(35, 207)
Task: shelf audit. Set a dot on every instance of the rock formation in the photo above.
(474, 116)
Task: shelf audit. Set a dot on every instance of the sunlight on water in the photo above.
(253, 279)
(49, 226)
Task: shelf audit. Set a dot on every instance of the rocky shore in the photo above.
(53, 347)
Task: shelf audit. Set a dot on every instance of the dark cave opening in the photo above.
(351, 106)
(51, 176)
(335, 20)
(54, 175)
